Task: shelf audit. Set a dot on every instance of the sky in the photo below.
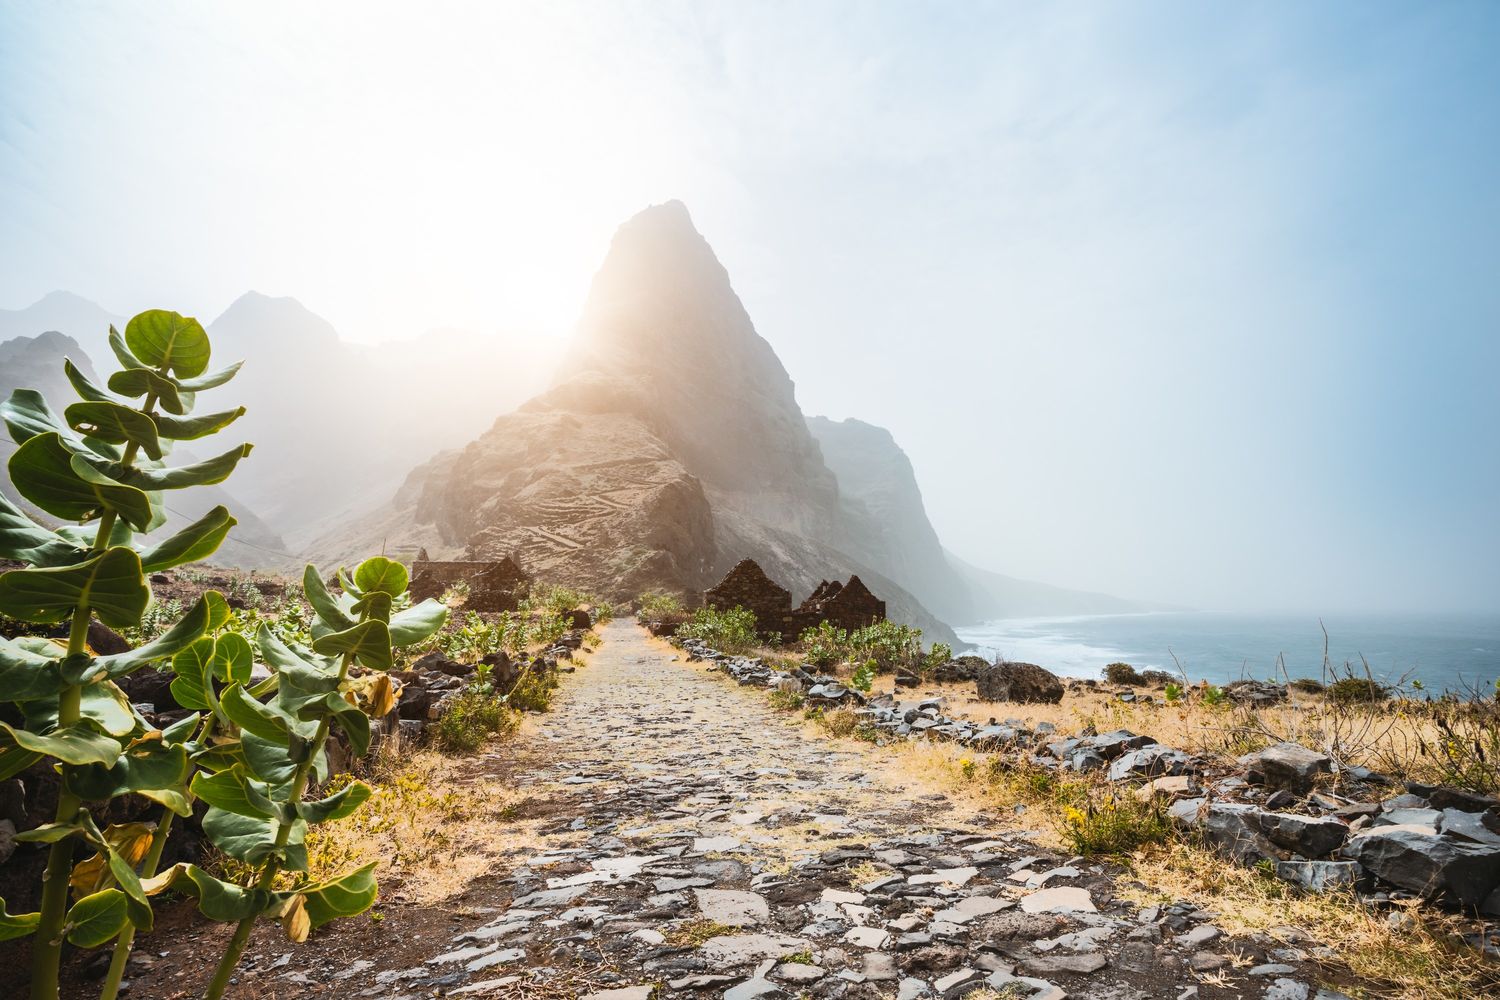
(1187, 302)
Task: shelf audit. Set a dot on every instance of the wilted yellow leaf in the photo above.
(294, 919)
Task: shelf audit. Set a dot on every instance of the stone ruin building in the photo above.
(494, 585)
(845, 605)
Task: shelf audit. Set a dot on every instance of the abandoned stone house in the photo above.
(494, 585)
(845, 605)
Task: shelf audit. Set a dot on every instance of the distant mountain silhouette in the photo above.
(36, 362)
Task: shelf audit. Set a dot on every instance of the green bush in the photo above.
(656, 606)
(890, 645)
(863, 679)
(825, 646)
(1115, 824)
(1348, 690)
(731, 631)
(533, 691)
(470, 719)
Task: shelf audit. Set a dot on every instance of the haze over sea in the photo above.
(1458, 652)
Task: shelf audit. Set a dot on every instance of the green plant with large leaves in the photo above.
(258, 806)
(102, 466)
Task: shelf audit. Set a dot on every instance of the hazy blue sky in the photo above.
(1189, 301)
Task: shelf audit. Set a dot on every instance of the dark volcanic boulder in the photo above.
(1415, 858)
(1248, 834)
(959, 670)
(579, 619)
(1286, 765)
(104, 641)
(1022, 682)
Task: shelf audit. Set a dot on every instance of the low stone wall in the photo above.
(1386, 840)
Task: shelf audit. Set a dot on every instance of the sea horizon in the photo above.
(1455, 652)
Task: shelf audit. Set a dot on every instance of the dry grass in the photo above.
(693, 933)
(1421, 958)
(430, 828)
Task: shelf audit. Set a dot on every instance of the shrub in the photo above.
(839, 722)
(890, 645)
(788, 701)
(1215, 697)
(533, 691)
(1116, 824)
(655, 606)
(1347, 690)
(1307, 685)
(1123, 673)
(470, 719)
(825, 645)
(864, 677)
(731, 631)
(1173, 692)
(1158, 677)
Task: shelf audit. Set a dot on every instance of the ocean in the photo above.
(1459, 653)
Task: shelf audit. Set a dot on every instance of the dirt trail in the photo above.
(698, 840)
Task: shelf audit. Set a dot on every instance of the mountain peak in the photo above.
(263, 317)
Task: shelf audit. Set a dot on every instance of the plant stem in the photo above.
(126, 940)
(47, 949)
(241, 938)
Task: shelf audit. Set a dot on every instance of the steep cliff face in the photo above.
(885, 522)
(672, 448)
(662, 309)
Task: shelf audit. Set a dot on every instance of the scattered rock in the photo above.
(1286, 765)
(1019, 682)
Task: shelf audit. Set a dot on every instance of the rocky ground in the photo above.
(691, 840)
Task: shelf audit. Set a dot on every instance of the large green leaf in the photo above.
(205, 473)
(192, 428)
(193, 543)
(138, 382)
(184, 633)
(252, 838)
(14, 925)
(336, 806)
(346, 896)
(354, 723)
(79, 743)
(191, 665)
(327, 607)
(23, 540)
(235, 791)
(164, 339)
(83, 385)
(14, 760)
(111, 583)
(382, 575)
(97, 919)
(64, 484)
(212, 380)
(253, 717)
(415, 624)
(115, 423)
(122, 352)
(26, 414)
(220, 901)
(152, 768)
(369, 642)
(26, 675)
(103, 703)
